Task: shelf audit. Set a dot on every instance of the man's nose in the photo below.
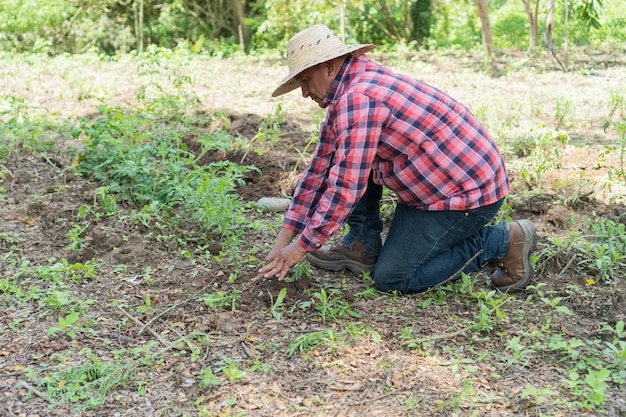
(305, 92)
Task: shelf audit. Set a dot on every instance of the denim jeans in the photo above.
(426, 248)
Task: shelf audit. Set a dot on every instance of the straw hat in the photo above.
(310, 47)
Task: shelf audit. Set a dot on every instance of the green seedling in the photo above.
(277, 305)
(310, 341)
(66, 325)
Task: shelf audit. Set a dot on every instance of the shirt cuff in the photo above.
(309, 242)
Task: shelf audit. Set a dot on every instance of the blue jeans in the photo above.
(426, 248)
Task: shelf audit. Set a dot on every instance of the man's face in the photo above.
(316, 81)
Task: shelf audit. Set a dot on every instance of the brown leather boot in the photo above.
(341, 257)
(516, 269)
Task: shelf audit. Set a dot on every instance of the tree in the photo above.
(485, 26)
(422, 18)
(549, 25)
(532, 20)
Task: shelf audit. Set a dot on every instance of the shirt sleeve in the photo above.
(337, 176)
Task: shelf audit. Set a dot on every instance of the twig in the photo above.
(52, 163)
(172, 307)
(7, 170)
(136, 320)
(35, 391)
(569, 263)
(173, 345)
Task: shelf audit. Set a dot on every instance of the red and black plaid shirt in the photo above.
(413, 138)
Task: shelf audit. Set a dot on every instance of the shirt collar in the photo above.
(351, 67)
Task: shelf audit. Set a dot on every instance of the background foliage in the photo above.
(227, 26)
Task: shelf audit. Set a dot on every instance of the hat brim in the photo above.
(289, 83)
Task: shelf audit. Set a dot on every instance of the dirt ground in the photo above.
(371, 372)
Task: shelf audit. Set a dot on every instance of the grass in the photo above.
(159, 315)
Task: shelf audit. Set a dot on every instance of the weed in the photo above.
(568, 348)
(310, 341)
(146, 306)
(66, 325)
(538, 396)
(410, 341)
(301, 270)
(564, 112)
(590, 391)
(277, 305)
(617, 108)
(230, 369)
(223, 299)
(267, 134)
(75, 235)
(600, 251)
(87, 384)
(208, 378)
(332, 306)
(519, 352)
(108, 202)
(259, 366)
(10, 241)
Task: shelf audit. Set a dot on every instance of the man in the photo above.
(386, 129)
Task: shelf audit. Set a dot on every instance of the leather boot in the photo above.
(341, 257)
(515, 269)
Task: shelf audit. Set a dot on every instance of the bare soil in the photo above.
(370, 371)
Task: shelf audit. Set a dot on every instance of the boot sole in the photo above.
(355, 267)
(529, 230)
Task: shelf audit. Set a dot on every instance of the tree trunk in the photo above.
(483, 13)
(242, 29)
(566, 40)
(549, 25)
(532, 20)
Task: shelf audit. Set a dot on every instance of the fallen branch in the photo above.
(569, 263)
(137, 321)
(35, 391)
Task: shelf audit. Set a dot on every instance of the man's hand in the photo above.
(280, 260)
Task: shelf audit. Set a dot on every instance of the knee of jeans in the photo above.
(386, 280)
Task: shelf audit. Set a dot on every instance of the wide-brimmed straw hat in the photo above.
(313, 46)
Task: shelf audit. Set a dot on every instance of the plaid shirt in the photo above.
(413, 138)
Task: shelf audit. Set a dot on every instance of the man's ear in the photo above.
(333, 66)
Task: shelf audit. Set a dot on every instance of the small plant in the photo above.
(108, 202)
(66, 325)
(268, 132)
(10, 240)
(223, 299)
(310, 341)
(617, 106)
(590, 391)
(146, 306)
(564, 113)
(519, 351)
(277, 305)
(230, 369)
(569, 348)
(331, 305)
(410, 341)
(87, 385)
(301, 270)
(75, 235)
(538, 396)
(208, 378)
